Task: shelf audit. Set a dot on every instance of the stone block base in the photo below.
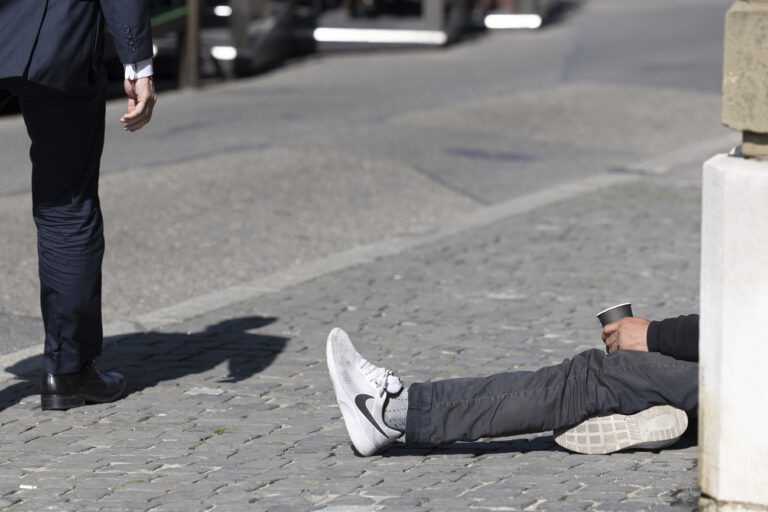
(733, 344)
(710, 505)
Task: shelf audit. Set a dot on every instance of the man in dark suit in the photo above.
(50, 58)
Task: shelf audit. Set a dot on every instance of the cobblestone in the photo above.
(234, 410)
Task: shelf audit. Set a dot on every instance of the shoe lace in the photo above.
(383, 379)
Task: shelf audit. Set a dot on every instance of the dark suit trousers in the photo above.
(67, 133)
(525, 402)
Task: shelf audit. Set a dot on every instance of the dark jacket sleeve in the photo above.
(675, 337)
(129, 24)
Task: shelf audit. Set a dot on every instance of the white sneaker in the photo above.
(361, 390)
(651, 429)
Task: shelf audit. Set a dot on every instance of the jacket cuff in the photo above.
(652, 336)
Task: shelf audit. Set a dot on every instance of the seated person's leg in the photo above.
(590, 384)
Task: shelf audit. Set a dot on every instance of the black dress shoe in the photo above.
(88, 386)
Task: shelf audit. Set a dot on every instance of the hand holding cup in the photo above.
(621, 331)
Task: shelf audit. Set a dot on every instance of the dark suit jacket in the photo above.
(58, 43)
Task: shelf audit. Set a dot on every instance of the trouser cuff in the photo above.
(417, 422)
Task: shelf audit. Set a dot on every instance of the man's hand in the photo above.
(627, 334)
(141, 101)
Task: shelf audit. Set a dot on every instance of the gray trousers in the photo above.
(525, 402)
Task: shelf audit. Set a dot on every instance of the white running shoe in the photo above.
(651, 429)
(361, 390)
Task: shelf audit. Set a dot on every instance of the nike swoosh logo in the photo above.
(360, 401)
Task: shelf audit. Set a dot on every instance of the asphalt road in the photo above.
(242, 180)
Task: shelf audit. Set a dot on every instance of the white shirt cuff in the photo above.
(141, 69)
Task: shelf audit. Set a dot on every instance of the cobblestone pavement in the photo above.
(234, 410)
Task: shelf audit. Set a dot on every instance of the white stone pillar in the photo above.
(733, 344)
(733, 379)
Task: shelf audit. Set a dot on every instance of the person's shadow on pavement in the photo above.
(148, 358)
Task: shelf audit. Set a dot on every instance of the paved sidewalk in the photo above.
(234, 410)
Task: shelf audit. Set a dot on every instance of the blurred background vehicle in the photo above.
(234, 38)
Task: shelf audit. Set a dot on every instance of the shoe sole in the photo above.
(64, 402)
(651, 429)
(364, 445)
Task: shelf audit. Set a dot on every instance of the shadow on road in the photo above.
(148, 358)
(479, 448)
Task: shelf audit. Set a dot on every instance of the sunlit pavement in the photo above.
(275, 183)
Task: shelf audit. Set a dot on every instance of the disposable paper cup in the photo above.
(615, 313)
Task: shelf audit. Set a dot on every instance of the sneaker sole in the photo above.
(651, 429)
